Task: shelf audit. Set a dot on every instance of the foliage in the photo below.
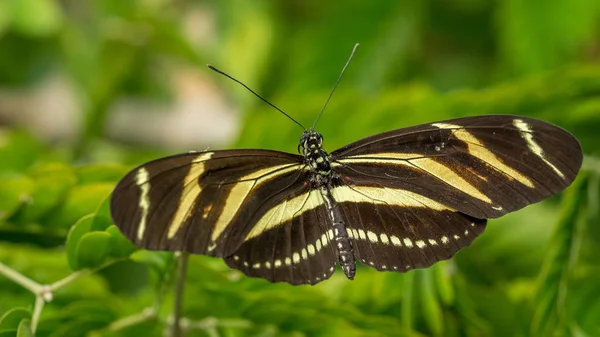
(65, 269)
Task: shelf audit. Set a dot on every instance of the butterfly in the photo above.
(394, 201)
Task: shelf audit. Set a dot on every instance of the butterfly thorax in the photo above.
(315, 157)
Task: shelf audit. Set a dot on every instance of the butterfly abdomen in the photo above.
(346, 257)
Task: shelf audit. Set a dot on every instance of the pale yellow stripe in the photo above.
(526, 133)
(476, 149)
(287, 210)
(308, 201)
(191, 191)
(141, 179)
(428, 165)
(384, 195)
(241, 190)
(450, 177)
(385, 155)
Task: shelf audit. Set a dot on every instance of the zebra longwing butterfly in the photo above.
(395, 201)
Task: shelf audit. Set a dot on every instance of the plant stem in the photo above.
(179, 290)
(20, 279)
(37, 311)
(146, 315)
(72, 277)
(81, 273)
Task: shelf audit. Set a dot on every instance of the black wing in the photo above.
(414, 196)
(249, 206)
(482, 166)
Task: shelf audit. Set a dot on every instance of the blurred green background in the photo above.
(88, 89)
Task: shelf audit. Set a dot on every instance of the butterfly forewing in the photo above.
(202, 202)
(482, 166)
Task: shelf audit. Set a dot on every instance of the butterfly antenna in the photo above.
(336, 84)
(255, 94)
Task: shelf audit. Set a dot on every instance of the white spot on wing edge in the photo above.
(141, 179)
(372, 237)
(526, 133)
(361, 234)
(311, 249)
(330, 234)
(384, 238)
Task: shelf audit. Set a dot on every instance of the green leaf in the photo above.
(77, 231)
(101, 223)
(93, 249)
(24, 329)
(104, 208)
(407, 309)
(14, 191)
(443, 282)
(120, 246)
(549, 315)
(432, 312)
(12, 318)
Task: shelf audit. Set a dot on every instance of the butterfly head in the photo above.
(310, 142)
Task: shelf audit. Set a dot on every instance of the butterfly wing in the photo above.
(415, 196)
(398, 230)
(482, 166)
(252, 207)
(292, 242)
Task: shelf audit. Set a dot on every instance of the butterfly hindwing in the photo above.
(403, 231)
(292, 243)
